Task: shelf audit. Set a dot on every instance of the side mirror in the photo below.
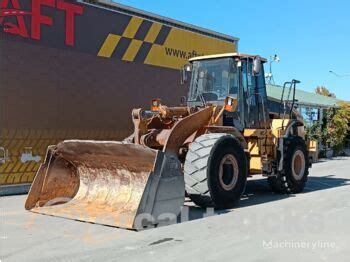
(183, 100)
(155, 104)
(230, 104)
(185, 73)
(257, 65)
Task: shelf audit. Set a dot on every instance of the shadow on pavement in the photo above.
(258, 192)
(338, 158)
(326, 182)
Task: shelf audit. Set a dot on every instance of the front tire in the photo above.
(215, 170)
(293, 177)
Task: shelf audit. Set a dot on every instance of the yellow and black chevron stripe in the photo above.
(136, 41)
(152, 43)
(14, 141)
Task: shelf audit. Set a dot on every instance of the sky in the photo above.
(311, 37)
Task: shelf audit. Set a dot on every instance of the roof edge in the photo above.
(333, 102)
(221, 55)
(158, 18)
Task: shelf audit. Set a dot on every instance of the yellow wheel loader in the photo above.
(222, 134)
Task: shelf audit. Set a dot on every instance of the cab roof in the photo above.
(238, 55)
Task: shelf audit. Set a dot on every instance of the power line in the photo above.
(338, 75)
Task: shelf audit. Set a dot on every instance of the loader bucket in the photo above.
(109, 183)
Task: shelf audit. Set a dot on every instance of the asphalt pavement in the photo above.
(311, 226)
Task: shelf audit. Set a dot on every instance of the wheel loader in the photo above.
(206, 148)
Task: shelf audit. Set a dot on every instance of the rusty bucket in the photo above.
(109, 183)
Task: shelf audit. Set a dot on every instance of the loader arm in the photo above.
(186, 127)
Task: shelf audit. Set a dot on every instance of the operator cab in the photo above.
(215, 77)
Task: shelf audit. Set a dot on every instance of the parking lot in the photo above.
(312, 226)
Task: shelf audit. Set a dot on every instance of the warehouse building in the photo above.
(75, 69)
(310, 105)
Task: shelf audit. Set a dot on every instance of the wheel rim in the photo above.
(228, 173)
(298, 164)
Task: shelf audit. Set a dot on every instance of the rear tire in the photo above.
(293, 177)
(215, 170)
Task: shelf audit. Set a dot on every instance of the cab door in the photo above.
(254, 98)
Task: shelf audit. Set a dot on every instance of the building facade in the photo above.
(75, 69)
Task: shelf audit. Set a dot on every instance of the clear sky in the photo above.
(311, 37)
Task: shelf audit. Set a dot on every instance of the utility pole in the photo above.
(269, 76)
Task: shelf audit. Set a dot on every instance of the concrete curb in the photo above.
(8, 190)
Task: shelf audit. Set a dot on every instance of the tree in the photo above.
(314, 132)
(335, 124)
(345, 109)
(336, 127)
(322, 90)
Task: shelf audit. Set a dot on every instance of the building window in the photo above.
(310, 115)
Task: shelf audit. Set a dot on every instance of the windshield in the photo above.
(213, 79)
